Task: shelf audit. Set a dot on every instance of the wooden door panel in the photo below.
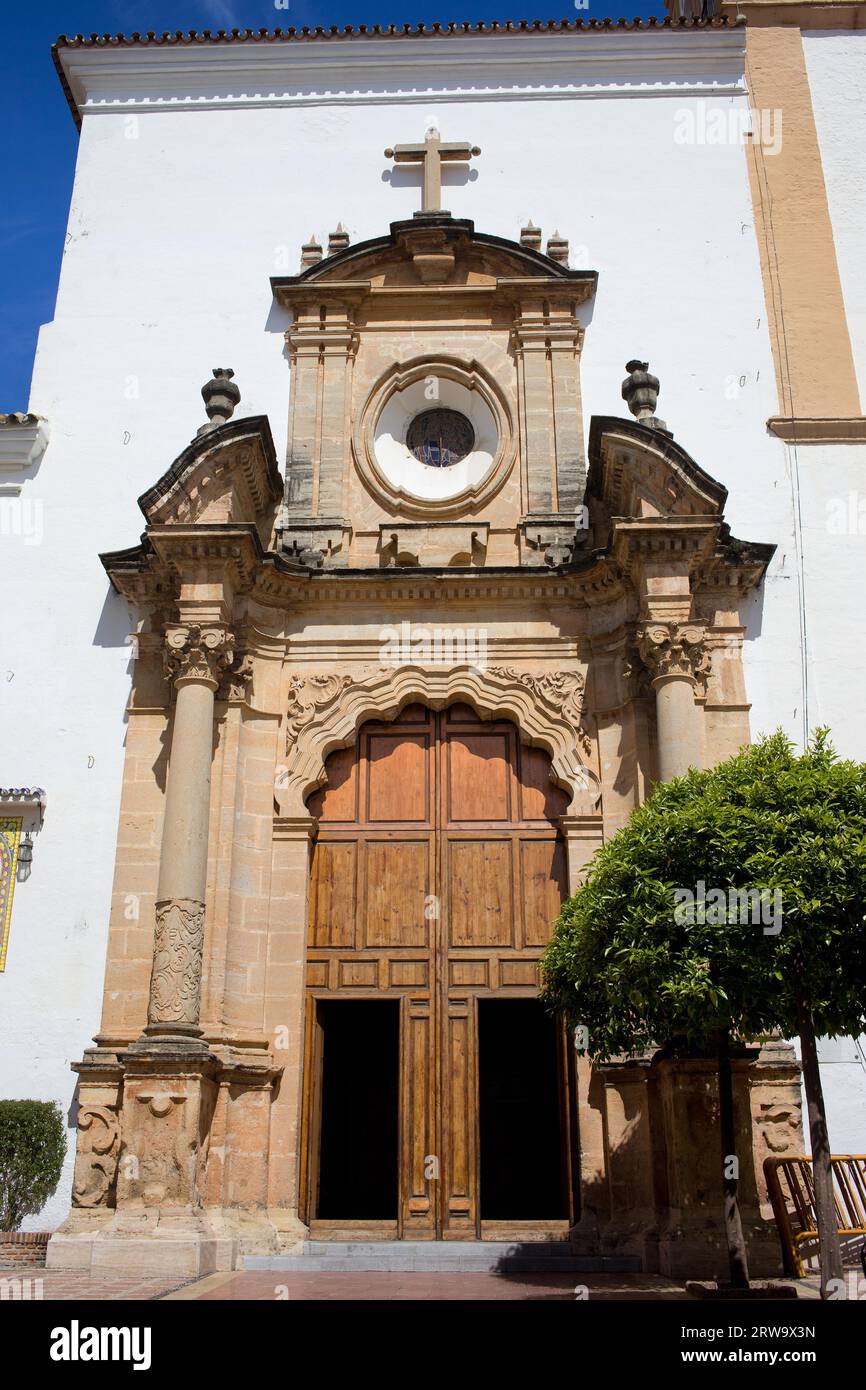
(398, 787)
(397, 877)
(459, 1140)
(480, 892)
(338, 800)
(478, 777)
(542, 885)
(540, 799)
(420, 1145)
(333, 893)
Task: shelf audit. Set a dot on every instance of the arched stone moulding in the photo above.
(473, 377)
(326, 711)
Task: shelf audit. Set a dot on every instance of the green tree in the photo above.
(32, 1149)
(732, 904)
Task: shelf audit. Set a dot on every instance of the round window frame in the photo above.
(440, 410)
(472, 377)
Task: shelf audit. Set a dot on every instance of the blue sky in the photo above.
(38, 139)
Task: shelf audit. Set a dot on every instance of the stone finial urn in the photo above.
(220, 396)
(640, 391)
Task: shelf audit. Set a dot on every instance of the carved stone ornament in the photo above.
(306, 695)
(96, 1159)
(565, 690)
(159, 1160)
(194, 652)
(636, 679)
(324, 712)
(175, 984)
(674, 650)
(236, 679)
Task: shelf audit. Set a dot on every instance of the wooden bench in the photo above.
(792, 1193)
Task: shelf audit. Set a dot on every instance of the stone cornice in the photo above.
(850, 429)
(800, 14)
(23, 440)
(596, 580)
(149, 573)
(595, 60)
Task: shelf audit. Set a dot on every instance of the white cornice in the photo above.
(23, 440)
(395, 70)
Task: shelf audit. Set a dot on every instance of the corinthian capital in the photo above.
(197, 652)
(674, 649)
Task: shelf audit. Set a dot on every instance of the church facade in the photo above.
(417, 616)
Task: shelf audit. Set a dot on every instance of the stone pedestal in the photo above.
(691, 1230)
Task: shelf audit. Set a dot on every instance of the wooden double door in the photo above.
(437, 1097)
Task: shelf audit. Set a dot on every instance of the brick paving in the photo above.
(276, 1286)
(73, 1286)
(367, 1286)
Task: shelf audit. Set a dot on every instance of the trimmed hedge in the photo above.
(32, 1150)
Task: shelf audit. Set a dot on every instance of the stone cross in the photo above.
(431, 155)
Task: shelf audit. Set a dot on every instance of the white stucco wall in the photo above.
(836, 67)
(178, 218)
(833, 495)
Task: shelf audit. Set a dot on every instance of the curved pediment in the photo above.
(433, 249)
(642, 472)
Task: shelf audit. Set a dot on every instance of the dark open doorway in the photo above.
(520, 1121)
(358, 1178)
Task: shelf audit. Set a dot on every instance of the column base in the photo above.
(166, 1243)
(169, 1046)
(161, 1248)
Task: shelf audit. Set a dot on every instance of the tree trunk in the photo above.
(738, 1263)
(829, 1249)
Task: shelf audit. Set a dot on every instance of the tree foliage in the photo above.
(32, 1149)
(635, 970)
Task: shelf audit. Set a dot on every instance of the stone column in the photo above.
(676, 659)
(196, 656)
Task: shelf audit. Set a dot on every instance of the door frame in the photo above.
(436, 1228)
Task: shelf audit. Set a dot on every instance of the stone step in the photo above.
(475, 1257)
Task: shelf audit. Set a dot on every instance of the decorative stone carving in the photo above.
(640, 391)
(236, 679)
(636, 679)
(552, 539)
(306, 695)
(674, 649)
(194, 652)
(338, 240)
(566, 690)
(557, 248)
(781, 1127)
(311, 252)
(220, 397)
(96, 1157)
(175, 984)
(325, 711)
(159, 1161)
